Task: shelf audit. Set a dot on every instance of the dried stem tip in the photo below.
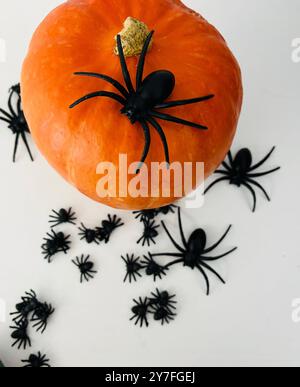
(133, 36)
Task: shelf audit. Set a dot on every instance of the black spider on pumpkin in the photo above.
(240, 170)
(41, 316)
(140, 104)
(140, 311)
(150, 233)
(16, 121)
(85, 266)
(108, 227)
(36, 361)
(194, 250)
(153, 268)
(55, 243)
(20, 335)
(133, 267)
(62, 216)
(28, 305)
(89, 235)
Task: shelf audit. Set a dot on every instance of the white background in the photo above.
(249, 321)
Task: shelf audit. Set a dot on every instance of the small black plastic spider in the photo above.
(140, 104)
(89, 235)
(28, 305)
(140, 311)
(144, 215)
(62, 216)
(16, 120)
(20, 335)
(167, 210)
(133, 267)
(162, 314)
(193, 253)
(41, 316)
(108, 227)
(86, 267)
(153, 268)
(149, 234)
(163, 299)
(55, 243)
(239, 172)
(36, 361)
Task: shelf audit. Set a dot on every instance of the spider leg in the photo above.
(225, 165)
(203, 258)
(24, 138)
(183, 102)
(260, 187)
(214, 183)
(172, 239)
(108, 79)
(263, 160)
(162, 135)
(230, 158)
(174, 263)
(16, 147)
(248, 186)
(147, 144)
(6, 114)
(5, 120)
(263, 173)
(167, 255)
(213, 271)
(124, 67)
(13, 113)
(219, 242)
(141, 64)
(181, 229)
(220, 172)
(107, 94)
(205, 277)
(176, 120)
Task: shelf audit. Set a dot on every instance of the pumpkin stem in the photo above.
(133, 37)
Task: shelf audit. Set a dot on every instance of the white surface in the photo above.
(248, 322)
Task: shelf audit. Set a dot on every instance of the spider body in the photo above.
(85, 267)
(133, 267)
(141, 104)
(239, 171)
(29, 304)
(194, 252)
(15, 120)
(108, 227)
(36, 361)
(145, 215)
(162, 314)
(149, 234)
(62, 216)
(140, 311)
(89, 235)
(20, 335)
(55, 243)
(153, 268)
(41, 316)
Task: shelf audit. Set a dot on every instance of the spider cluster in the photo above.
(134, 266)
(29, 310)
(145, 215)
(15, 119)
(161, 305)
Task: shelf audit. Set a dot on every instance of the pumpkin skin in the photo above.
(79, 36)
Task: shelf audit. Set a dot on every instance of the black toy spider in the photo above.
(167, 210)
(239, 172)
(140, 104)
(144, 215)
(193, 253)
(16, 121)
(41, 316)
(89, 235)
(108, 227)
(140, 311)
(28, 305)
(150, 233)
(85, 267)
(20, 335)
(162, 314)
(133, 267)
(62, 216)
(36, 361)
(163, 299)
(153, 268)
(55, 243)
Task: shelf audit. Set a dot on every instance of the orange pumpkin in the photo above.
(79, 36)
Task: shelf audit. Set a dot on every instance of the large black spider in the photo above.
(193, 253)
(140, 311)
(55, 243)
(36, 361)
(15, 120)
(41, 316)
(239, 172)
(108, 227)
(89, 235)
(140, 104)
(20, 335)
(62, 216)
(85, 267)
(28, 305)
(149, 234)
(133, 267)
(153, 268)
